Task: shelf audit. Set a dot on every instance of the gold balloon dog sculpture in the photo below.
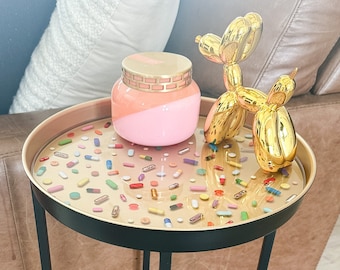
(273, 131)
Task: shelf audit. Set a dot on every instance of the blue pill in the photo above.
(273, 191)
(109, 164)
(96, 142)
(167, 223)
(213, 147)
(131, 152)
(267, 210)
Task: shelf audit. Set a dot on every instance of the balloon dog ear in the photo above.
(254, 37)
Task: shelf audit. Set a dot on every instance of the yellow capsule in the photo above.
(83, 182)
(234, 164)
(156, 211)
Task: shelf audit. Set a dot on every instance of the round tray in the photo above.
(73, 157)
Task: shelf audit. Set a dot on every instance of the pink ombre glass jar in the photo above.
(156, 102)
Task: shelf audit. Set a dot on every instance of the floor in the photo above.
(331, 257)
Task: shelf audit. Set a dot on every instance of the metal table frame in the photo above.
(42, 203)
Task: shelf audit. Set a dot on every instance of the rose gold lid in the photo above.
(156, 71)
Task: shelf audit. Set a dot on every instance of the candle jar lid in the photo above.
(156, 71)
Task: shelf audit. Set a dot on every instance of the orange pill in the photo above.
(97, 151)
(269, 198)
(172, 164)
(219, 192)
(145, 220)
(154, 183)
(210, 224)
(54, 163)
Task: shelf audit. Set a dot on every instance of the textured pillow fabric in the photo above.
(298, 33)
(328, 79)
(79, 55)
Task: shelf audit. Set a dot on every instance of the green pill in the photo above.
(111, 184)
(254, 203)
(65, 141)
(41, 171)
(201, 171)
(173, 197)
(244, 215)
(74, 195)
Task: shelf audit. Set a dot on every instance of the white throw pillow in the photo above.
(79, 55)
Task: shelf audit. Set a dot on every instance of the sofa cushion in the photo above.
(79, 56)
(298, 34)
(328, 75)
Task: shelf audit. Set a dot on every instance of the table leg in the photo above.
(266, 250)
(40, 222)
(165, 261)
(146, 260)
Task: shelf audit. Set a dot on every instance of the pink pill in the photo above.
(97, 209)
(95, 173)
(87, 128)
(232, 206)
(122, 197)
(198, 188)
(55, 189)
(128, 164)
(133, 206)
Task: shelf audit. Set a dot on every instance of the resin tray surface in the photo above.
(77, 159)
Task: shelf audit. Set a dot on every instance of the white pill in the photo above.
(161, 174)
(126, 178)
(194, 204)
(63, 175)
(231, 154)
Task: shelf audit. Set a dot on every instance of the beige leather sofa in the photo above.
(299, 33)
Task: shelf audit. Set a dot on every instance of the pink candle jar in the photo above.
(156, 102)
